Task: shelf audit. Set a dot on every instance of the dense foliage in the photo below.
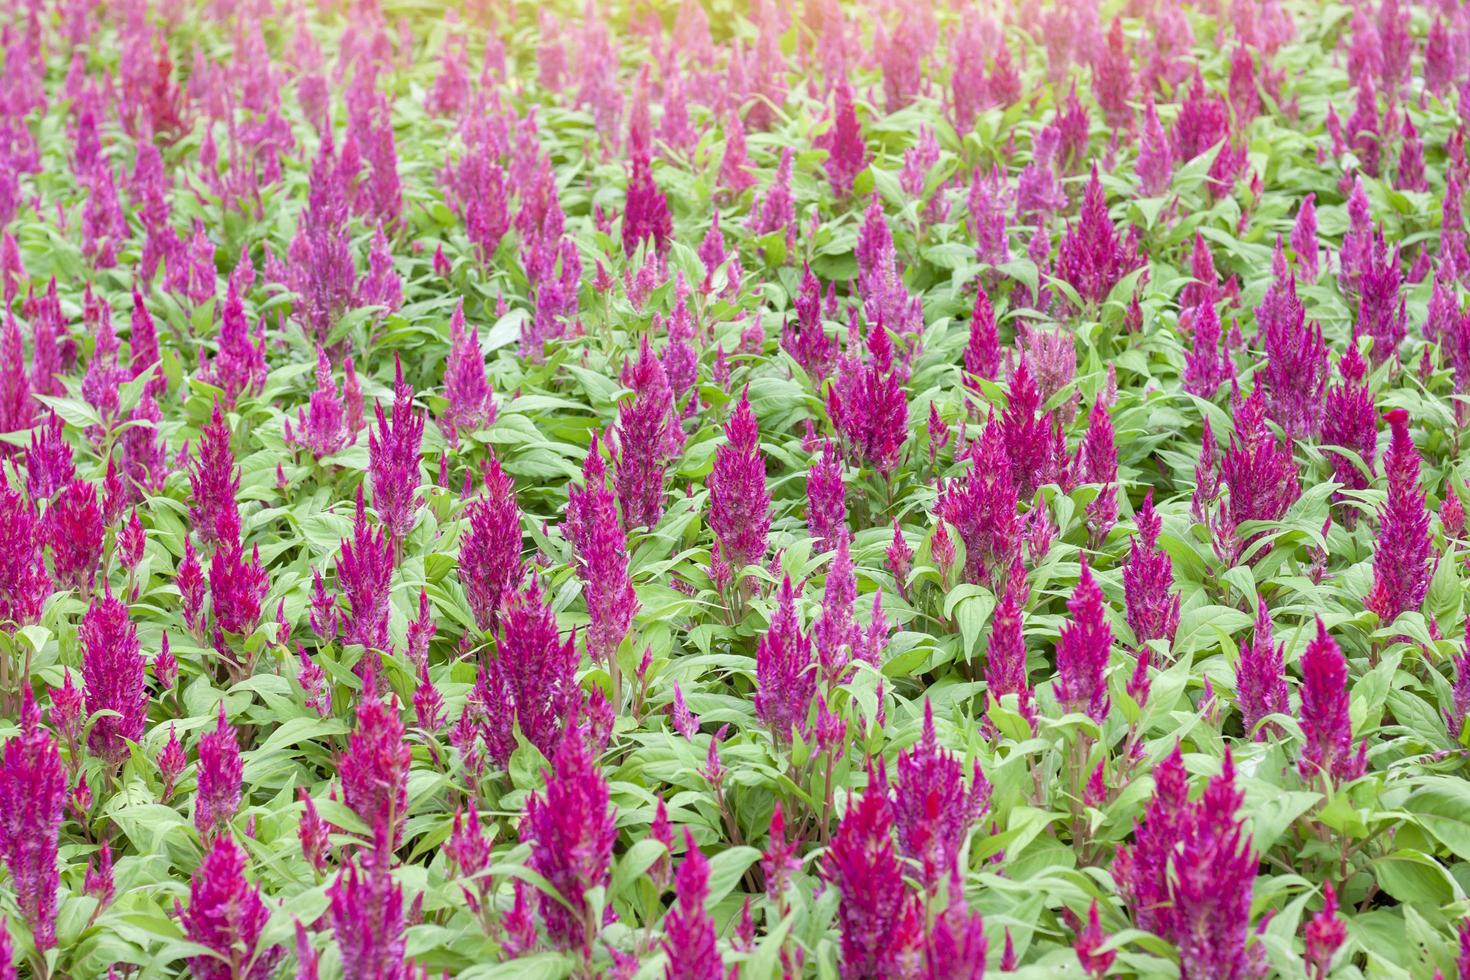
(840, 488)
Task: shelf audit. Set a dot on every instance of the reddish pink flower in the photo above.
(227, 916)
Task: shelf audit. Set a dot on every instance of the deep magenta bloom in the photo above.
(1324, 714)
(367, 914)
(1350, 421)
(24, 582)
(1295, 377)
(867, 403)
(32, 801)
(881, 923)
(471, 405)
(602, 558)
(365, 573)
(1005, 659)
(1206, 366)
(220, 775)
(826, 499)
(1258, 468)
(982, 508)
(74, 529)
(226, 914)
(931, 806)
(1148, 577)
(1092, 257)
(530, 681)
(320, 426)
(689, 932)
(237, 588)
(1088, 946)
(1325, 933)
(393, 454)
(786, 678)
(1381, 307)
(739, 503)
(646, 213)
(490, 554)
(49, 464)
(1142, 868)
(642, 441)
(171, 763)
(374, 769)
(113, 669)
(1403, 550)
(1033, 440)
(982, 352)
(571, 832)
(1083, 649)
(1155, 164)
(847, 153)
(189, 580)
(215, 484)
(1260, 679)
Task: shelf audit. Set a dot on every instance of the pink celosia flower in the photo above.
(1324, 714)
(113, 669)
(319, 426)
(1381, 309)
(1260, 682)
(1257, 468)
(171, 763)
(367, 913)
(1005, 659)
(220, 774)
(189, 579)
(571, 832)
(393, 462)
(32, 798)
(24, 582)
(785, 674)
(365, 573)
(689, 932)
(645, 424)
(73, 528)
(374, 769)
(48, 461)
(237, 589)
(982, 509)
(1304, 238)
(1402, 549)
(1033, 439)
(982, 352)
(847, 154)
(1083, 649)
(931, 806)
(1350, 421)
(1295, 376)
(490, 555)
(826, 496)
(470, 403)
(1092, 257)
(215, 484)
(1088, 945)
(227, 916)
(1148, 575)
(601, 549)
(739, 502)
(867, 403)
(646, 213)
(1325, 934)
(1206, 366)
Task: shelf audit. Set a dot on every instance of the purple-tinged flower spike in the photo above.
(739, 503)
(645, 422)
(471, 405)
(365, 573)
(367, 914)
(1459, 707)
(237, 589)
(1155, 164)
(1295, 377)
(1349, 421)
(307, 960)
(171, 763)
(1033, 439)
(24, 582)
(1148, 577)
(1403, 548)
(646, 212)
(867, 403)
(313, 832)
(685, 722)
(806, 340)
(1089, 943)
(1304, 238)
(1097, 462)
(490, 555)
(1083, 649)
(900, 559)
(689, 932)
(320, 426)
(1324, 714)
(880, 922)
(931, 807)
(571, 832)
(32, 803)
(1092, 257)
(982, 508)
(1206, 366)
(1260, 679)
(1257, 467)
(393, 462)
(73, 528)
(227, 916)
(530, 682)
(165, 666)
(17, 408)
(113, 669)
(214, 484)
(1005, 660)
(49, 464)
(785, 675)
(601, 549)
(955, 947)
(130, 541)
(420, 631)
(826, 496)
(374, 769)
(239, 367)
(191, 585)
(835, 632)
(1381, 307)
(847, 153)
(1325, 934)
(780, 860)
(1211, 881)
(982, 351)
(220, 776)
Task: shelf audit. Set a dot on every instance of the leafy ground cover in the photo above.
(860, 489)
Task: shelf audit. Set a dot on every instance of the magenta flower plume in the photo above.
(113, 669)
(1257, 467)
(530, 681)
(982, 351)
(471, 405)
(490, 555)
(1459, 707)
(1032, 438)
(1324, 714)
(24, 582)
(1304, 238)
(365, 573)
(571, 832)
(601, 549)
(931, 806)
(1083, 649)
(227, 916)
(1005, 660)
(826, 499)
(1206, 366)
(374, 769)
(1155, 164)
(1088, 946)
(1260, 680)
(1403, 548)
(1092, 257)
(73, 528)
(1213, 875)
(982, 508)
(642, 440)
(847, 153)
(867, 403)
(806, 340)
(786, 678)
(171, 763)
(237, 588)
(1349, 421)
(220, 774)
(689, 932)
(393, 462)
(879, 920)
(1148, 577)
(367, 914)
(32, 801)
(214, 484)
(1295, 378)
(320, 427)
(1142, 868)
(955, 947)
(49, 464)
(1325, 933)
(646, 213)
(739, 503)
